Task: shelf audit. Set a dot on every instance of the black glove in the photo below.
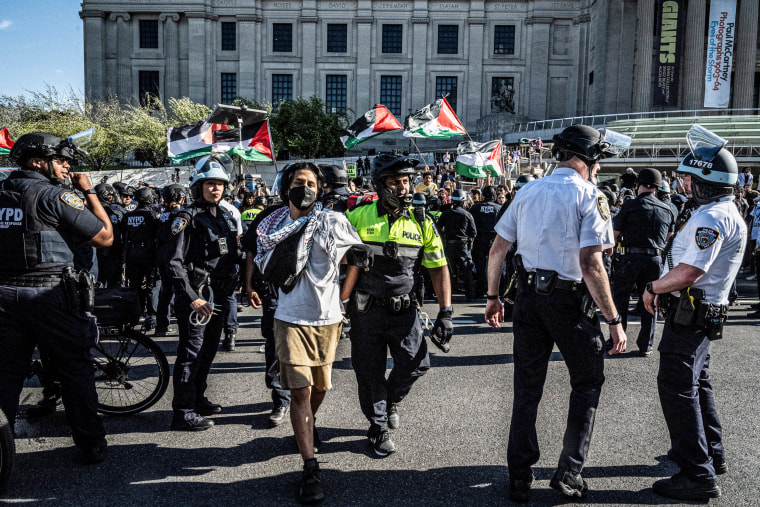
(442, 329)
(360, 256)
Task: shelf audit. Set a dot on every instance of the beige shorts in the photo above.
(306, 354)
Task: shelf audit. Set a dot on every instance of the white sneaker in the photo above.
(751, 278)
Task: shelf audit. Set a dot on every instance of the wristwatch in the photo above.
(650, 289)
(614, 322)
(89, 191)
(491, 298)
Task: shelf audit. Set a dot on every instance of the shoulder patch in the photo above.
(178, 225)
(72, 200)
(706, 237)
(603, 206)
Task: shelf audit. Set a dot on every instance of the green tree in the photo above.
(303, 128)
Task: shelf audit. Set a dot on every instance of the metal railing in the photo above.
(603, 119)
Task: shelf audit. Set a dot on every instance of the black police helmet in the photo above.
(649, 177)
(489, 193)
(419, 199)
(103, 190)
(173, 193)
(335, 176)
(434, 204)
(523, 180)
(260, 201)
(582, 141)
(39, 144)
(710, 179)
(145, 195)
(290, 171)
(458, 196)
(385, 165)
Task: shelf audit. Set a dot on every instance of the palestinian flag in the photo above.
(435, 121)
(477, 160)
(374, 122)
(5, 142)
(192, 140)
(256, 142)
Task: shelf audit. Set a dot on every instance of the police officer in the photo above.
(383, 314)
(126, 195)
(173, 197)
(561, 224)
(251, 207)
(140, 232)
(110, 259)
(646, 223)
(203, 266)
(335, 194)
(703, 260)
(458, 230)
(39, 292)
(485, 214)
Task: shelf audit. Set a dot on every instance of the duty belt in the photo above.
(30, 281)
(389, 301)
(570, 285)
(646, 251)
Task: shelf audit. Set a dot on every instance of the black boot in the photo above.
(229, 341)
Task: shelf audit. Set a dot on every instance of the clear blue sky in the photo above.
(41, 43)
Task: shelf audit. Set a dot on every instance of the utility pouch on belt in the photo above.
(80, 290)
(398, 304)
(664, 304)
(198, 277)
(545, 281)
(685, 313)
(363, 301)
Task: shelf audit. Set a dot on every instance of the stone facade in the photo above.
(562, 57)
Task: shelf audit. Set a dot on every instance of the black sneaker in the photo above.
(190, 421)
(310, 490)
(228, 345)
(94, 454)
(165, 331)
(205, 407)
(394, 421)
(519, 489)
(569, 484)
(277, 416)
(720, 466)
(149, 324)
(44, 407)
(381, 442)
(680, 487)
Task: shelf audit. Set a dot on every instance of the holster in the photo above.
(363, 301)
(711, 318)
(197, 277)
(80, 290)
(511, 293)
(685, 314)
(588, 305)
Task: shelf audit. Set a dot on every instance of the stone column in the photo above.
(123, 79)
(363, 56)
(247, 55)
(94, 56)
(419, 64)
(581, 55)
(474, 96)
(196, 29)
(538, 75)
(694, 56)
(642, 72)
(171, 56)
(309, 56)
(746, 53)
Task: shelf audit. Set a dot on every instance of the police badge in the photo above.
(604, 207)
(178, 224)
(705, 237)
(72, 200)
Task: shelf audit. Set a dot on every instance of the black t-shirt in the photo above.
(644, 222)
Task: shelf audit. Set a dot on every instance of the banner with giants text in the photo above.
(670, 31)
(721, 32)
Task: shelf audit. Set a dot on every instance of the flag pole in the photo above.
(427, 167)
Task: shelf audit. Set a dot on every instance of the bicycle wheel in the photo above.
(7, 452)
(132, 373)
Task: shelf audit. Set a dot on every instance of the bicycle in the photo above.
(132, 372)
(7, 452)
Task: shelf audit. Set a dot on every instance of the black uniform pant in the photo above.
(109, 267)
(687, 401)
(540, 322)
(373, 333)
(460, 258)
(480, 256)
(195, 352)
(280, 396)
(140, 277)
(165, 294)
(32, 316)
(636, 270)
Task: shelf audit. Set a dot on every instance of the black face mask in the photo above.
(302, 197)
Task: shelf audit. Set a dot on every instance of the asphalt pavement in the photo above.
(451, 443)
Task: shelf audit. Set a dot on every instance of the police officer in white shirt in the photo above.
(561, 224)
(701, 264)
